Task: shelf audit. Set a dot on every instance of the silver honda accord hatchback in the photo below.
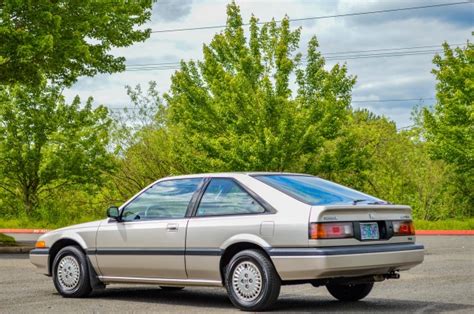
(247, 232)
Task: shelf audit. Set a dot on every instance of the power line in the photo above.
(340, 55)
(385, 55)
(408, 127)
(354, 101)
(329, 54)
(393, 100)
(172, 30)
(386, 49)
(391, 54)
(176, 66)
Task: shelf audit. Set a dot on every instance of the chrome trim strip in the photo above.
(153, 251)
(135, 251)
(164, 281)
(204, 252)
(39, 251)
(326, 256)
(344, 250)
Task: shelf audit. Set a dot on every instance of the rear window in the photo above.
(316, 191)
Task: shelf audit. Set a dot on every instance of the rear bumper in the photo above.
(347, 261)
(40, 258)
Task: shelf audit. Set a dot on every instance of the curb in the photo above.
(15, 249)
(38, 231)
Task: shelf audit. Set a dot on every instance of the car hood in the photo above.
(91, 224)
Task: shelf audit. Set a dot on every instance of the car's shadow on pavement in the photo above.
(367, 305)
(217, 299)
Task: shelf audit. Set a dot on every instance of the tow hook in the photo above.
(392, 275)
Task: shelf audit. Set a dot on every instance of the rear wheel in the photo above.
(251, 281)
(350, 293)
(71, 273)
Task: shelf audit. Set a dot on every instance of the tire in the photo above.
(170, 288)
(71, 273)
(251, 267)
(350, 293)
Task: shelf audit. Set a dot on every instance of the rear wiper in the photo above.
(354, 202)
(379, 203)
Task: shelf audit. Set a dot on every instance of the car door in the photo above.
(226, 208)
(149, 241)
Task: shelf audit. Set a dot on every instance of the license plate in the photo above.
(369, 231)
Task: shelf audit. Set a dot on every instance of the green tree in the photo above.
(449, 128)
(46, 144)
(143, 142)
(62, 40)
(235, 110)
(374, 157)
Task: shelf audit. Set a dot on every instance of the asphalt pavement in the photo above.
(443, 283)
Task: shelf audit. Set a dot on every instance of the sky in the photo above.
(379, 78)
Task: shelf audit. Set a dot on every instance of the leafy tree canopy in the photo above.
(62, 40)
(47, 144)
(236, 109)
(450, 127)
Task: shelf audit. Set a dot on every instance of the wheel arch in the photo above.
(237, 247)
(57, 246)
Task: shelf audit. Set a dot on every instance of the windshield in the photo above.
(316, 191)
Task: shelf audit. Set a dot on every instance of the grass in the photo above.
(450, 224)
(6, 240)
(20, 223)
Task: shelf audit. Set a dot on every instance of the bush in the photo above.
(7, 240)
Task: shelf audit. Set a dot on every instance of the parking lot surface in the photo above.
(443, 283)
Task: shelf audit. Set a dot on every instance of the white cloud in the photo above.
(378, 78)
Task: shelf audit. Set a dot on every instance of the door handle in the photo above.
(172, 227)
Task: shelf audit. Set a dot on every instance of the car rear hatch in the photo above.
(338, 225)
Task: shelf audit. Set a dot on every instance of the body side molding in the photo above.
(344, 250)
(152, 251)
(163, 281)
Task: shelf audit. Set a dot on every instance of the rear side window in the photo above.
(316, 191)
(226, 197)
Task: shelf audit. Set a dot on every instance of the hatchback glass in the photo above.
(316, 191)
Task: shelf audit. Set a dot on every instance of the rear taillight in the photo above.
(401, 228)
(333, 230)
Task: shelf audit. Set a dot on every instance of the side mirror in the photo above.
(113, 212)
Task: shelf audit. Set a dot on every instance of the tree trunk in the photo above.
(30, 199)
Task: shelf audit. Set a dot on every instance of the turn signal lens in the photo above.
(336, 230)
(40, 244)
(401, 228)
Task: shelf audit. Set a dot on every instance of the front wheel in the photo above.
(251, 281)
(350, 293)
(71, 273)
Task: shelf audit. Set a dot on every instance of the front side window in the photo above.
(226, 197)
(166, 199)
(316, 191)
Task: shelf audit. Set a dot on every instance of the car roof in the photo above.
(232, 174)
